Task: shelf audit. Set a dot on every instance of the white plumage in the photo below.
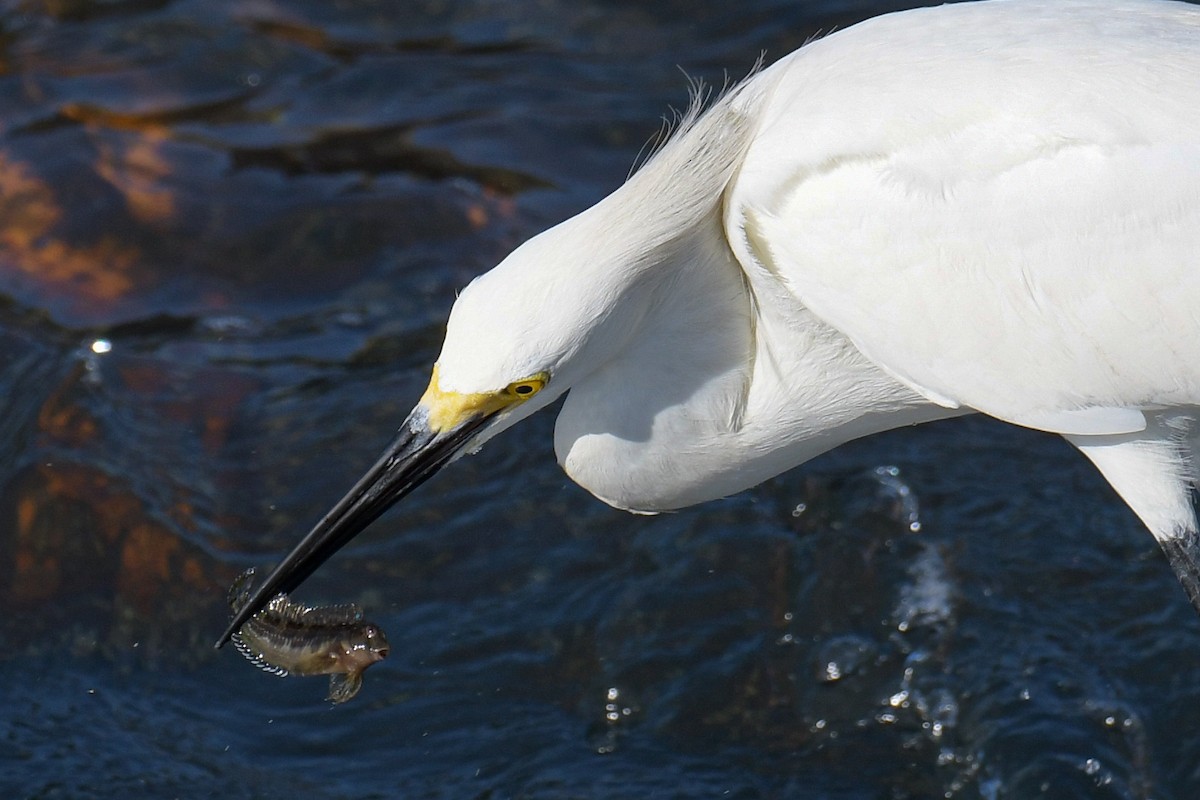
(988, 207)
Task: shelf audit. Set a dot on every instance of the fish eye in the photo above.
(527, 388)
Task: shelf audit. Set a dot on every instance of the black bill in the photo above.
(414, 457)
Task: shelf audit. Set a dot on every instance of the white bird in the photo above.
(986, 207)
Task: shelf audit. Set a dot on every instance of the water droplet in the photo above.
(842, 656)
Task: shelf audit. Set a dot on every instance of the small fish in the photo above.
(287, 638)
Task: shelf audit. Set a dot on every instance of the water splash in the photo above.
(898, 497)
(928, 599)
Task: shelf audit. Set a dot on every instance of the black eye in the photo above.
(527, 387)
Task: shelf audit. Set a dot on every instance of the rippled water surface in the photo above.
(229, 234)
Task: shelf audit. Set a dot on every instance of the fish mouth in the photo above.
(413, 457)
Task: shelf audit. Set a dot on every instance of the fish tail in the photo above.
(239, 592)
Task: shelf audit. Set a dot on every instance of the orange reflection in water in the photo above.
(137, 169)
(79, 530)
(30, 213)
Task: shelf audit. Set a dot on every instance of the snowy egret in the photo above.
(989, 207)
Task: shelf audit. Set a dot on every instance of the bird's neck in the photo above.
(702, 383)
(715, 391)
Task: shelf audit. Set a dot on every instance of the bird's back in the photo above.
(998, 203)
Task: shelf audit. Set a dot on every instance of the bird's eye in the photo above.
(527, 388)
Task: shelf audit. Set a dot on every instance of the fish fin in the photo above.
(256, 658)
(285, 610)
(339, 615)
(343, 686)
(281, 608)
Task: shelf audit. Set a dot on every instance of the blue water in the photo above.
(229, 235)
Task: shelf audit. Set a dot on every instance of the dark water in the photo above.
(258, 213)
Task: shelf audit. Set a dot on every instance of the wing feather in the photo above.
(1014, 231)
